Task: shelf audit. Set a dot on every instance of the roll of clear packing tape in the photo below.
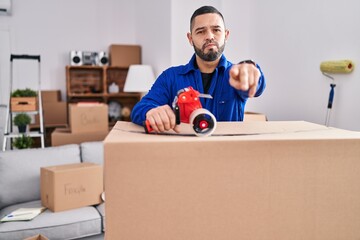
(340, 66)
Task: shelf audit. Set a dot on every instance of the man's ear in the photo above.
(227, 33)
(189, 38)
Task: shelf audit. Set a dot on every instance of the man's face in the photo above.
(208, 36)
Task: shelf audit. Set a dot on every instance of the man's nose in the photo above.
(209, 35)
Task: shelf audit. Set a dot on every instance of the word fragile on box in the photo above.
(71, 186)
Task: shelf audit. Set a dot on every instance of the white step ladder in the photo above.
(8, 130)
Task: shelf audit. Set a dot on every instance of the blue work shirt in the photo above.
(227, 103)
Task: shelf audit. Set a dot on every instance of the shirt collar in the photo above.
(191, 65)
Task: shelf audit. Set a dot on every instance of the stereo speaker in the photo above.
(76, 58)
(103, 59)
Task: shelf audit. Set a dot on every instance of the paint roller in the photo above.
(342, 66)
(330, 67)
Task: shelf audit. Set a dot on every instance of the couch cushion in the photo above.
(92, 152)
(71, 224)
(20, 171)
(101, 209)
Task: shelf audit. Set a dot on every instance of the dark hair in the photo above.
(203, 10)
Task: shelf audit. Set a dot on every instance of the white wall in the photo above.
(153, 32)
(290, 39)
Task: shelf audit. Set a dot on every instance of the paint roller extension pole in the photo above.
(330, 102)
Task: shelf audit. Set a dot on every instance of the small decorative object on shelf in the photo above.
(113, 88)
(114, 111)
(23, 142)
(125, 113)
(22, 120)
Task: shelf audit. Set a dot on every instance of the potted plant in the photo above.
(22, 120)
(23, 142)
(23, 100)
(27, 92)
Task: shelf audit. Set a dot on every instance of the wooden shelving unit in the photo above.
(91, 84)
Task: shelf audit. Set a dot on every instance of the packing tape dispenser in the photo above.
(340, 66)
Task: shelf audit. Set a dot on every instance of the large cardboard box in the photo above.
(70, 186)
(124, 55)
(63, 136)
(88, 117)
(249, 180)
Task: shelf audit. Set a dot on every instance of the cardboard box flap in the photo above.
(235, 128)
(255, 130)
(71, 167)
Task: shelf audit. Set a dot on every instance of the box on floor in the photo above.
(269, 180)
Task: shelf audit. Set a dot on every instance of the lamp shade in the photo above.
(139, 78)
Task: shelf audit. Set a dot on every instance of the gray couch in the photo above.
(20, 187)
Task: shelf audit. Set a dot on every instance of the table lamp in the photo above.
(139, 78)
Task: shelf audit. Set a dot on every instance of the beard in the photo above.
(212, 55)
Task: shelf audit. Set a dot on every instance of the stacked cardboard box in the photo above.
(54, 110)
(88, 122)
